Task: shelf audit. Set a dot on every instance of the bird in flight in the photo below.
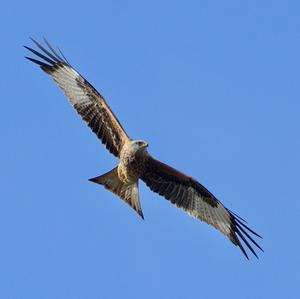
(134, 160)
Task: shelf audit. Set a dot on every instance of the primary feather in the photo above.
(88, 102)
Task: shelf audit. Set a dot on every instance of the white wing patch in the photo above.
(84, 97)
(66, 77)
(216, 216)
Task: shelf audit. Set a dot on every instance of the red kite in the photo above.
(135, 161)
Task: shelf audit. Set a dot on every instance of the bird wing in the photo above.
(189, 195)
(88, 102)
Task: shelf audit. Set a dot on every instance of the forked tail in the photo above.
(128, 192)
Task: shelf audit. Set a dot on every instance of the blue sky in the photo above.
(213, 86)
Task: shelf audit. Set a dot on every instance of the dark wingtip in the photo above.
(235, 240)
(141, 214)
(94, 180)
(241, 235)
(49, 55)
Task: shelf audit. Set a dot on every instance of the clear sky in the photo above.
(213, 86)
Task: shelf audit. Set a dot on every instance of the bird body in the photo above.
(123, 180)
(135, 163)
(132, 160)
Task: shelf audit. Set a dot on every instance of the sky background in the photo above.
(213, 86)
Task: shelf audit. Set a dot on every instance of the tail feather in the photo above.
(128, 192)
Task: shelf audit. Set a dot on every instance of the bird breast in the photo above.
(132, 164)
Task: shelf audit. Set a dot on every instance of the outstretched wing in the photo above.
(84, 97)
(196, 200)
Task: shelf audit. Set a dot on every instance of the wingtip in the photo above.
(32, 39)
(243, 250)
(93, 180)
(141, 215)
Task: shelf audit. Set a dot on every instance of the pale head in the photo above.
(139, 145)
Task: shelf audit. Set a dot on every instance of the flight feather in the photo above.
(189, 195)
(88, 102)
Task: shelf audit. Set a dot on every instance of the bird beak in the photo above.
(146, 144)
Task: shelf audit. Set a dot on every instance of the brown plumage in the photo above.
(135, 162)
(85, 98)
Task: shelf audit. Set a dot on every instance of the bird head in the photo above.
(140, 144)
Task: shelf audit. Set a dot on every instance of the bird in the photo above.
(135, 163)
